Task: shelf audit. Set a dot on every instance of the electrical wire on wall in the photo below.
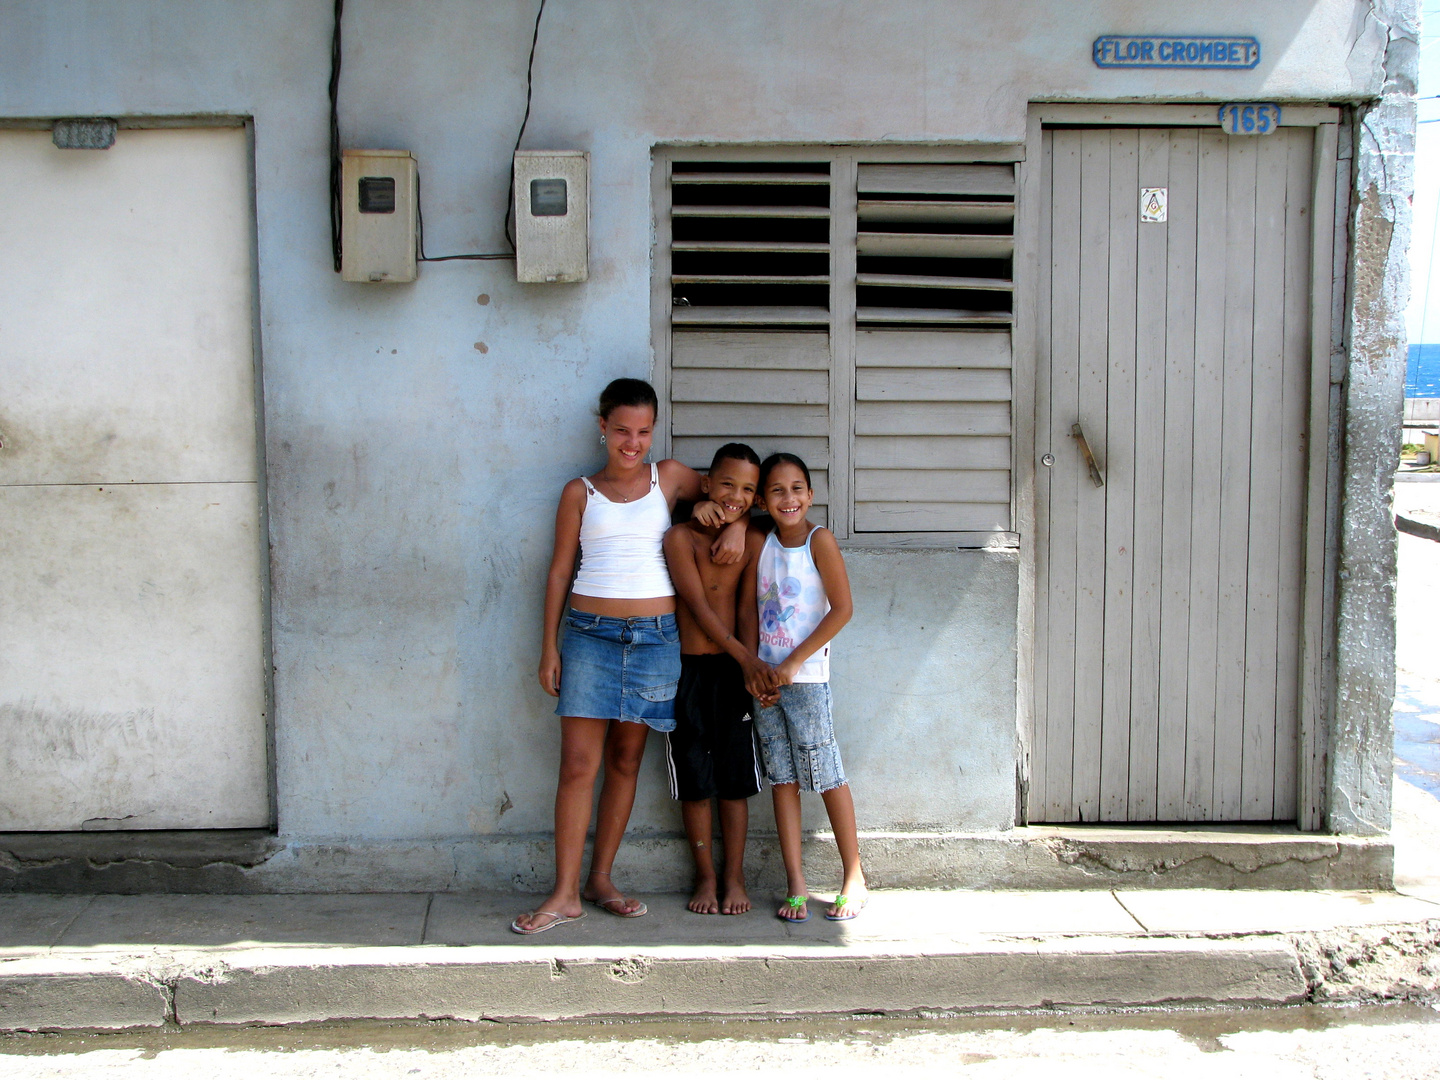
(420, 232)
(336, 241)
(524, 121)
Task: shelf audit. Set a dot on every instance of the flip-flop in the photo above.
(604, 905)
(796, 903)
(840, 901)
(555, 920)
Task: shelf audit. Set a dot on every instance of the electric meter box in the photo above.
(552, 215)
(377, 217)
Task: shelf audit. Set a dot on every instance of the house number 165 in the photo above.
(1251, 119)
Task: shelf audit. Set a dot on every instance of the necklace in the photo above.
(619, 496)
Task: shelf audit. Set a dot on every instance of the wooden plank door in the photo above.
(1168, 598)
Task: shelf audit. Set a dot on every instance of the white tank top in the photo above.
(620, 545)
(792, 603)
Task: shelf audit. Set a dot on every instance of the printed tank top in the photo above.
(792, 603)
(620, 545)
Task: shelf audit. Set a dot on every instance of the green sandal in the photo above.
(795, 903)
(841, 900)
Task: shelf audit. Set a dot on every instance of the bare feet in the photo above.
(704, 900)
(737, 900)
(601, 891)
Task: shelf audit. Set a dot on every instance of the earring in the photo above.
(602, 440)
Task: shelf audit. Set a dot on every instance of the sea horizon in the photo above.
(1422, 371)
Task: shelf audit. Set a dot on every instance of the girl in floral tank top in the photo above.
(799, 582)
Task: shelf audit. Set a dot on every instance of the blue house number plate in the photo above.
(1251, 119)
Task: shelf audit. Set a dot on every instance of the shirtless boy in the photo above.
(711, 752)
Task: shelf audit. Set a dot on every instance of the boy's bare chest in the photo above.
(717, 579)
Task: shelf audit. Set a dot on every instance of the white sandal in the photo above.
(556, 919)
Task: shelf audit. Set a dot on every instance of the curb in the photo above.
(1417, 528)
(1105, 973)
(39, 995)
(290, 986)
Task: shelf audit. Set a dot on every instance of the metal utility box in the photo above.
(552, 215)
(377, 221)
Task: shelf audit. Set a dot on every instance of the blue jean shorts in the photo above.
(797, 738)
(620, 669)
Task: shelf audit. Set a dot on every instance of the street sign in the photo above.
(1172, 51)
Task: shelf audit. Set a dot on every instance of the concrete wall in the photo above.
(417, 436)
(1372, 396)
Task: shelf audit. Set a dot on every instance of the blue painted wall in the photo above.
(413, 473)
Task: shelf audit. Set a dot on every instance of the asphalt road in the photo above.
(1398, 1042)
(1417, 651)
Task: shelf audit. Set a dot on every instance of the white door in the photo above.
(132, 682)
(1168, 622)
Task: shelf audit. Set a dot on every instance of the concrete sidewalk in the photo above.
(105, 962)
(74, 962)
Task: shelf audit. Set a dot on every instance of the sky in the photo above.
(1424, 313)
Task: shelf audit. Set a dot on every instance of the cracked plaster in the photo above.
(1361, 738)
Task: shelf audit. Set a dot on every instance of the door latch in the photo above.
(1079, 434)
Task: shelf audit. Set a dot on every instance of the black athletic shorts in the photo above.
(711, 752)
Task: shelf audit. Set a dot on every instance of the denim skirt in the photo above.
(620, 669)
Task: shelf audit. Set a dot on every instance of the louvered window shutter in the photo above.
(750, 278)
(855, 314)
(932, 400)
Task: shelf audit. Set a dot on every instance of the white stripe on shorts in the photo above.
(670, 769)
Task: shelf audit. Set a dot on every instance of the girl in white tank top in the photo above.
(613, 676)
(620, 544)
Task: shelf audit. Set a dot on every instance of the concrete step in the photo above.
(1034, 857)
(107, 962)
